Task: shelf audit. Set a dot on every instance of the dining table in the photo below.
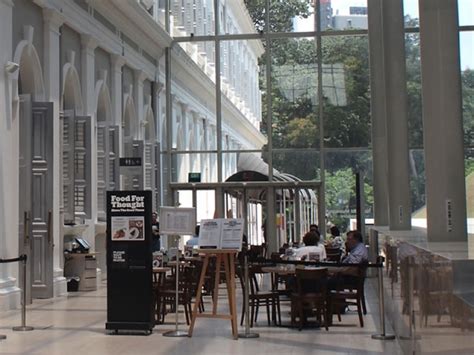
(286, 270)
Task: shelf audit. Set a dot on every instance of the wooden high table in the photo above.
(227, 258)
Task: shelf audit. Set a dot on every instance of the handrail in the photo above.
(13, 260)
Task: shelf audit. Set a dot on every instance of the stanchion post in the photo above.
(23, 327)
(383, 335)
(247, 333)
(176, 333)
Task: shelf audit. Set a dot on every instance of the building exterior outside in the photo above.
(88, 88)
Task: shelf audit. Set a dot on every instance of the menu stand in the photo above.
(227, 258)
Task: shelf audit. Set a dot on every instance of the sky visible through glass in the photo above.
(466, 17)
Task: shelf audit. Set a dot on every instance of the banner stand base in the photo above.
(176, 334)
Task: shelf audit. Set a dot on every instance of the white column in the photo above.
(117, 62)
(116, 90)
(442, 121)
(185, 122)
(9, 292)
(378, 113)
(139, 78)
(158, 104)
(53, 20)
(397, 118)
(88, 45)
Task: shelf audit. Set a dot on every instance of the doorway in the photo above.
(35, 195)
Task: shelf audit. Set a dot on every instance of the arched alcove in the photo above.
(71, 98)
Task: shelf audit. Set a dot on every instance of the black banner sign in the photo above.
(129, 261)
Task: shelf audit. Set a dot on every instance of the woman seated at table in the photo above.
(312, 248)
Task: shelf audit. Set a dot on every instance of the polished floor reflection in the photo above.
(74, 324)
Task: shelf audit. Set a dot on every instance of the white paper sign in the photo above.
(232, 233)
(210, 234)
(221, 233)
(175, 220)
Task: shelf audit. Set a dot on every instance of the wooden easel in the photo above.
(226, 257)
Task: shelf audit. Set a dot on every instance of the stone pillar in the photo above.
(139, 78)
(378, 114)
(442, 121)
(53, 20)
(116, 90)
(9, 292)
(88, 72)
(88, 45)
(397, 117)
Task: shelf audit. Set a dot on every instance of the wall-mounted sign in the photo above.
(131, 161)
(194, 177)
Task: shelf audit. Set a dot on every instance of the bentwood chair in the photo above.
(311, 294)
(349, 291)
(259, 298)
(333, 254)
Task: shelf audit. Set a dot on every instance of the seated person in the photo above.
(311, 242)
(314, 228)
(336, 239)
(357, 252)
(194, 241)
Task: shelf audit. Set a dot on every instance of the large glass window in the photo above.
(278, 111)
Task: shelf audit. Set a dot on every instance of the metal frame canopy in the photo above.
(245, 184)
(270, 186)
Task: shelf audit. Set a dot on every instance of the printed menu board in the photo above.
(176, 220)
(221, 233)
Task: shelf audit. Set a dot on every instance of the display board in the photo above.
(129, 261)
(177, 221)
(221, 233)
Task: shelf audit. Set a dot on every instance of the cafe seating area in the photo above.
(313, 294)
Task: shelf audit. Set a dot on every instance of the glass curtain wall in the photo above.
(296, 74)
(293, 88)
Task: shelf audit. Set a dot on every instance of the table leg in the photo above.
(215, 296)
(229, 290)
(233, 303)
(198, 296)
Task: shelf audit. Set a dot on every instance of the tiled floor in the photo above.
(75, 325)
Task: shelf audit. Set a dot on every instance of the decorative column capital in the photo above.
(88, 42)
(53, 19)
(159, 87)
(117, 61)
